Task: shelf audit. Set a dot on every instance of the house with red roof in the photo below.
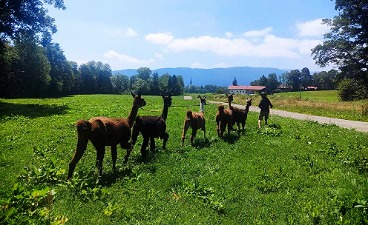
(245, 89)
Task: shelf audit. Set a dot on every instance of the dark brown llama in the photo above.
(196, 121)
(224, 118)
(239, 115)
(152, 127)
(104, 131)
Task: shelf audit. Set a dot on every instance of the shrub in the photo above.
(351, 89)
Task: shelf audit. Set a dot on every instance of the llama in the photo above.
(224, 118)
(152, 127)
(196, 121)
(239, 115)
(104, 131)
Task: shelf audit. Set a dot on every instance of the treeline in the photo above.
(205, 89)
(295, 80)
(29, 69)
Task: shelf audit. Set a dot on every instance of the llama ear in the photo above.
(204, 97)
(233, 94)
(226, 95)
(132, 94)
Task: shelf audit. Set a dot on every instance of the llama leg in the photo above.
(165, 138)
(185, 129)
(218, 129)
(204, 131)
(99, 158)
(194, 133)
(129, 150)
(152, 144)
(81, 147)
(144, 146)
(114, 155)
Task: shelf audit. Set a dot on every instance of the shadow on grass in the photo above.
(200, 143)
(231, 138)
(30, 110)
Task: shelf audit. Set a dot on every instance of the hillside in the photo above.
(215, 76)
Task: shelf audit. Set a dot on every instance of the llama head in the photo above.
(138, 100)
(167, 100)
(230, 97)
(249, 102)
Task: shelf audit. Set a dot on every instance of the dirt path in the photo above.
(349, 124)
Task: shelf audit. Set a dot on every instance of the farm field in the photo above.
(290, 172)
(319, 103)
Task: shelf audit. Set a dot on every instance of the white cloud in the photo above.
(159, 56)
(256, 44)
(228, 34)
(313, 28)
(125, 59)
(130, 32)
(258, 33)
(269, 46)
(160, 38)
(118, 32)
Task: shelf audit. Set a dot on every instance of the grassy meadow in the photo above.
(290, 172)
(319, 103)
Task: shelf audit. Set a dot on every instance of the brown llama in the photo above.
(104, 131)
(224, 118)
(152, 127)
(239, 115)
(196, 121)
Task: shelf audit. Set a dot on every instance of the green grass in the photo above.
(319, 103)
(319, 96)
(291, 172)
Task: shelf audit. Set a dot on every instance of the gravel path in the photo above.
(349, 124)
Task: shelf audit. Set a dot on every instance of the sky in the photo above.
(129, 34)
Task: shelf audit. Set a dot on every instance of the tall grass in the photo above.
(291, 172)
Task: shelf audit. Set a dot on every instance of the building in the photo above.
(246, 89)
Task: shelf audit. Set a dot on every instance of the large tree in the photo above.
(26, 16)
(346, 44)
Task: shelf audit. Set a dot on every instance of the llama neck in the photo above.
(229, 104)
(201, 107)
(165, 112)
(132, 115)
(247, 108)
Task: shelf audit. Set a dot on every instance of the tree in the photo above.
(26, 16)
(31, 69)
(144, 73)
(155, 84)
(325, 80)
(272, 82)
(120, 83)
(305, 77)
(346, 44)
(62, 77)
(235, 82)
(293, 80)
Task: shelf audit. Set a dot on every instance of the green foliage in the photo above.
(350, 89)
(290, 172)
(345, 44)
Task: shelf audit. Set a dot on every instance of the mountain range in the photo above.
(214, 76)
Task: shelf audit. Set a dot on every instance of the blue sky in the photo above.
(193, 33)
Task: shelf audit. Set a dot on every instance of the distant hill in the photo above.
(215, 76)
